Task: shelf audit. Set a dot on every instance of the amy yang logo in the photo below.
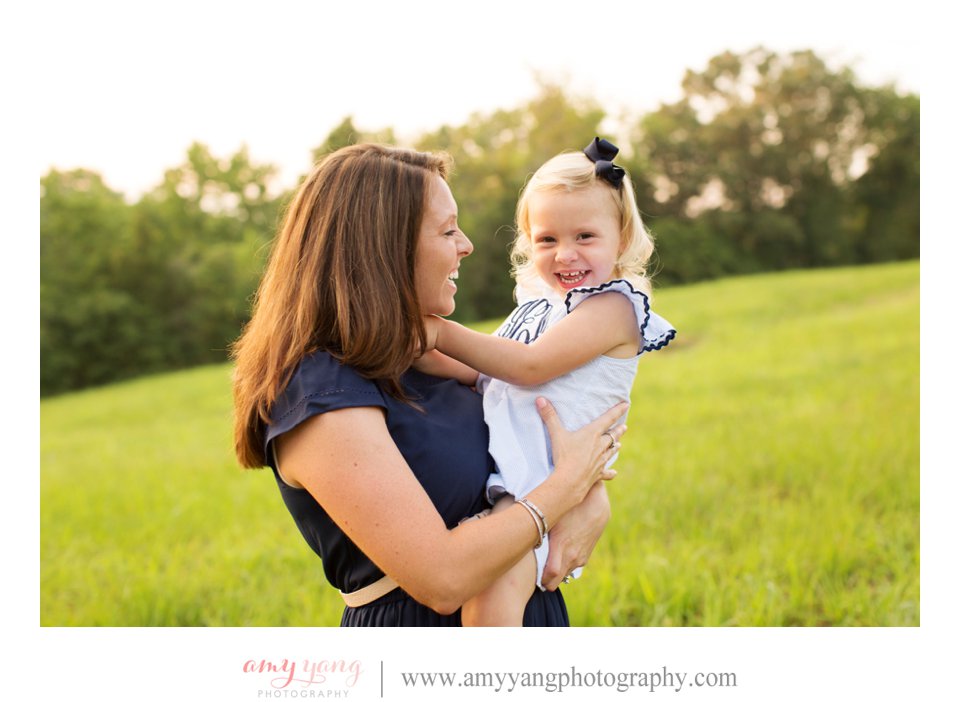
(304, 678)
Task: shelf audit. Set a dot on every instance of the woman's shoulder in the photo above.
(656, 331)
(321, 373)
(321, 383)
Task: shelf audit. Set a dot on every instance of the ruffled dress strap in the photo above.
(656, 332)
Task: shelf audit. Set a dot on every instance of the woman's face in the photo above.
(440, 246)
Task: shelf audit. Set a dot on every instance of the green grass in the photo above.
(771, 476)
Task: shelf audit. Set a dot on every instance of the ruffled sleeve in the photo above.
(319, 384)
(656, 332)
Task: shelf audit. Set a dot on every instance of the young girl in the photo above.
(579, 238)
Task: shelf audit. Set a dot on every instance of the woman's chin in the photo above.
(441, 310)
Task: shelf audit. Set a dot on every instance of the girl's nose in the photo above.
(566, 254)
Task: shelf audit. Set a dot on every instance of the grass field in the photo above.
(771, 477)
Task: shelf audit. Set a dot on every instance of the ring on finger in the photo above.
(613, 442)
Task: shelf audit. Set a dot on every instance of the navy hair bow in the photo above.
(602, 153)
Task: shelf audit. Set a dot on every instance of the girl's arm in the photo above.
(601, 324)
(439, 364)
(348, 461)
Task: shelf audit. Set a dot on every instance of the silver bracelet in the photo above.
(538, 511)
(537, 517)
(536, 520)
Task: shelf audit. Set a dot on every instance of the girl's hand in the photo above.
(580, 457)
(574, 537)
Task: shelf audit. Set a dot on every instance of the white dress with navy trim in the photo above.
(519, 442)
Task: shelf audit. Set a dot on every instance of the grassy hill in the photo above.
(771, 476)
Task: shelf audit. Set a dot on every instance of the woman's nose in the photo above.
(466, 246)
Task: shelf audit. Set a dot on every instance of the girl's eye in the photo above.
(585, 235)
(544, 240)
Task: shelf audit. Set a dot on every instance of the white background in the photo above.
(124, 88)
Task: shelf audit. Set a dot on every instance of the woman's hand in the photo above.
(574, 537)
(580, 457)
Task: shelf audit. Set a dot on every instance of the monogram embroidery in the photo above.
(527, 321)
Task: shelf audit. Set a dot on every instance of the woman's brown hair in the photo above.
(340, 279)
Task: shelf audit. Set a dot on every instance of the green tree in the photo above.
(87, 334)
(202, 235)
(165, 283)
(770, 146)
(888, 194)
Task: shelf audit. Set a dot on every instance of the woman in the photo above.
(381, 465)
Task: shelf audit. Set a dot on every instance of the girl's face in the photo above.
(575, 236)
(440, 246)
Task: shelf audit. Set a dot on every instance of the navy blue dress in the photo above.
(445, 447)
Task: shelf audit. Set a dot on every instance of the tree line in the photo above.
(767, 161)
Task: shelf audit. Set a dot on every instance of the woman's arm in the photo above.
(601, 324)
(351, 466)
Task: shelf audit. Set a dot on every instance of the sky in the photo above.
(124, 88)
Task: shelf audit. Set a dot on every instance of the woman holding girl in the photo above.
(380, 464)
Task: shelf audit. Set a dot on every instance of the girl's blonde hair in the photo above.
(340, 279)
(568, 172)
